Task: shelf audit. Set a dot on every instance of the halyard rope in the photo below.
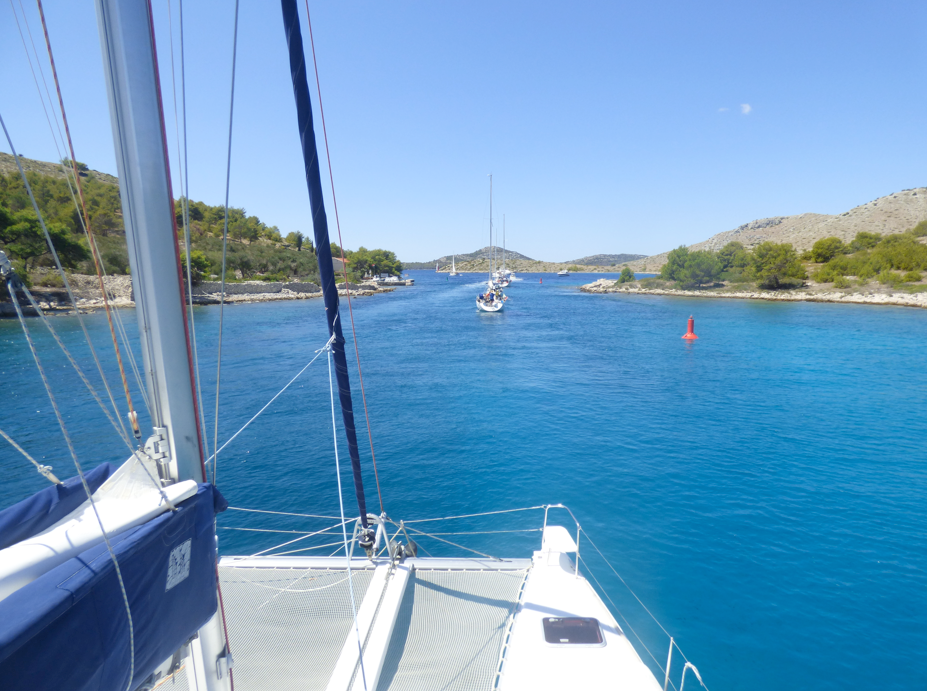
(94, 251)
(225, 242)
(344, 529)
(344, 266)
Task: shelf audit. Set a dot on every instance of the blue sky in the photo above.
(608, 127)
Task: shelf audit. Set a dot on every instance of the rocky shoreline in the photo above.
(86, 289)
(814, 293)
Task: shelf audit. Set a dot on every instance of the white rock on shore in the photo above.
(607, 285)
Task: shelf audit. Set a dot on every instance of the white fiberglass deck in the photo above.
(448, 624)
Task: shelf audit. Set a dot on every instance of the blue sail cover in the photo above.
(45, 508)
(68, 629)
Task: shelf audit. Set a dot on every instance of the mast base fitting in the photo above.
(367, 538)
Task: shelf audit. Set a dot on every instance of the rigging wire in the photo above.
(183, 169)
(44, 470)
(74, 364)
(640, 640)
(11, 287)
(67, 178)
(344, 529)
(344, 269)
(120, 428)
(281, 513)
(34, 78)
(225, 242)
(475, 515)
(424, 534)
(266, 405)
(94, 251)
(44, 81)
(308, 535)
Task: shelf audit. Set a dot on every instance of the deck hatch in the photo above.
(573, 631)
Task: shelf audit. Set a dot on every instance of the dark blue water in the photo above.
(763, 489)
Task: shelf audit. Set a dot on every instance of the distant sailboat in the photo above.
(454, 266)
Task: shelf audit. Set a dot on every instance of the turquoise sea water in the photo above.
(763, 489)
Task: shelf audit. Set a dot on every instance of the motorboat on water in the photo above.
(563, 272)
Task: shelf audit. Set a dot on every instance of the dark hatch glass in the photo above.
(572, 631)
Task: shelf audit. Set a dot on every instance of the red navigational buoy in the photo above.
(690, 334)
(542, 280)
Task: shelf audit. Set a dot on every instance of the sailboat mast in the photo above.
(503, 242)
(134, 94)
(490, 227)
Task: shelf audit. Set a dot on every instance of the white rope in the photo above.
(266, 530)
(474, 515)
(324, 531)
(80, 372)
(276, 396)
(184, 174)
(125, 598)
(225, 242)
(306, 549)
(282, 513)
(44, 470)
(344, 530)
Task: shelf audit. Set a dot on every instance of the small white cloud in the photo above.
(723, 110)
(745, 108)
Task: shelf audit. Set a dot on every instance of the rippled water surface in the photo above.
(763, 490)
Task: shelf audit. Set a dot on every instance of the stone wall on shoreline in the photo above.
(253, 288)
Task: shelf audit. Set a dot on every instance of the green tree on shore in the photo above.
(627, 275)
(826, 249)
(776, 265)
(675, 266)
(23, 240)
(701, 267)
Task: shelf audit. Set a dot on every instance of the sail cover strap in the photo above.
(294, 41)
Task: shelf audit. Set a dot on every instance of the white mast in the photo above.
(148, 210)
(490, 228)
(503, 243)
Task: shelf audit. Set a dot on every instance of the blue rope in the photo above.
(294, 41)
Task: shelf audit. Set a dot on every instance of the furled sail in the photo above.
(43, 509)
(322, 242)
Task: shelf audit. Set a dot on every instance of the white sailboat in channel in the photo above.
(454, 266)
(375, 617)
(493, 300)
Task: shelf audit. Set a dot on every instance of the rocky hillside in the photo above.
(607, 259)
(894, 213)
(528, 266)
(8, 165)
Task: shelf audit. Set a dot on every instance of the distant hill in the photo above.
(606, 259)
(472, 256)
(893, 213)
